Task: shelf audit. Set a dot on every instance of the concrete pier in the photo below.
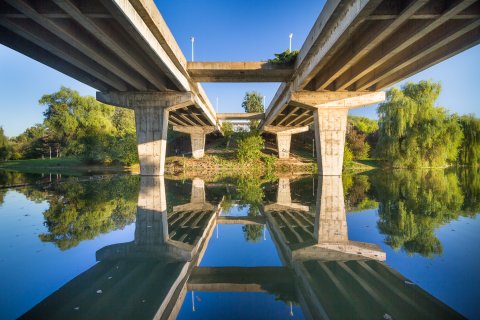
(197, 138)
(330, 128)
(284, 138)
(151, 125)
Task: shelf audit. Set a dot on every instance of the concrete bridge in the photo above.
(330, 276)
(125, 50)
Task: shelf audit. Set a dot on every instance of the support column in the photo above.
(283, 145)
(152, 126)
(330, 128)
(284, 138)
(151, 119)
(197, 138)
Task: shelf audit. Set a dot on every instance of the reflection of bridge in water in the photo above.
(329, 275)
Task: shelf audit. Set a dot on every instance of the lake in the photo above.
(378, 245)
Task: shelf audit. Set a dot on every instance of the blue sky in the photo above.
(224, 31)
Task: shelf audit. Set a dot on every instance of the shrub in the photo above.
(285, 58)
(249, 147)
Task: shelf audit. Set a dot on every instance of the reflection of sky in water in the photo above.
(452, 277)
(231, 249)
(32, 269)
(236, 211)
(237, 305)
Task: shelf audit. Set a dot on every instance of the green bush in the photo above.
(347, 156)
(249, 147)
(285, 58)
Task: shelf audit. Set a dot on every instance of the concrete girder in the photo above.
(434, 41)
(83, 42)
(138, 99)
(312, 99)
(403, 38)
(363, 45)
(107, 36)
(135, 26)
(238, 72)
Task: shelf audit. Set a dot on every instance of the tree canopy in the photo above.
(415, 133)
(80, 126)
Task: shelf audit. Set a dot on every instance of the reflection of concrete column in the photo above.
(198, 191)
(330, 127)
(330, 219)
(152, 223)
(151, 125)
(284, 198)
(283, 192)
(284, 137)
(197, 138)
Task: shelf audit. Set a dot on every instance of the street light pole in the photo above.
(192, 39)
(290, 36)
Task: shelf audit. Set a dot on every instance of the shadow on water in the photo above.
(322, 271)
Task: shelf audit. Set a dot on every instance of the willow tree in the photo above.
(415, 133)
(470, 149)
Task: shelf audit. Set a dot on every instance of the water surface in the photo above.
(400, 244)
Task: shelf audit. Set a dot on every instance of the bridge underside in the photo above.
(125, 50)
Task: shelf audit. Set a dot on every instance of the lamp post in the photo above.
(290, 36)
(192, 39)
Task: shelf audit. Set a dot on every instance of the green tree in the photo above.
(470, 148)
(364, 125)
(253, 102)
(82, 126)
(5, 148)
(415, 133)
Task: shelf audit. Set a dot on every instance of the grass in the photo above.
(61, 165)
(43, 163)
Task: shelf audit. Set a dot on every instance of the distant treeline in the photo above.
(76, 126)
(411, 131)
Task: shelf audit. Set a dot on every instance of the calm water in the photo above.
(389, 245)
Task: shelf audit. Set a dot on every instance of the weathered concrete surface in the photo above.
(239, 72)
(151, 126)
(197, 138)
(330, 128)
(284, 138)
(241, 116)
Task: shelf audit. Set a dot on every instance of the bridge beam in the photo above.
(197, 138)
(284, 138)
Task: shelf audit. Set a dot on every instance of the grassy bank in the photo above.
(62, 165)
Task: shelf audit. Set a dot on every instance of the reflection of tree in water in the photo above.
(413, 204)
(470, 184)
(81, 211)
(250, 193)
(356, 189)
